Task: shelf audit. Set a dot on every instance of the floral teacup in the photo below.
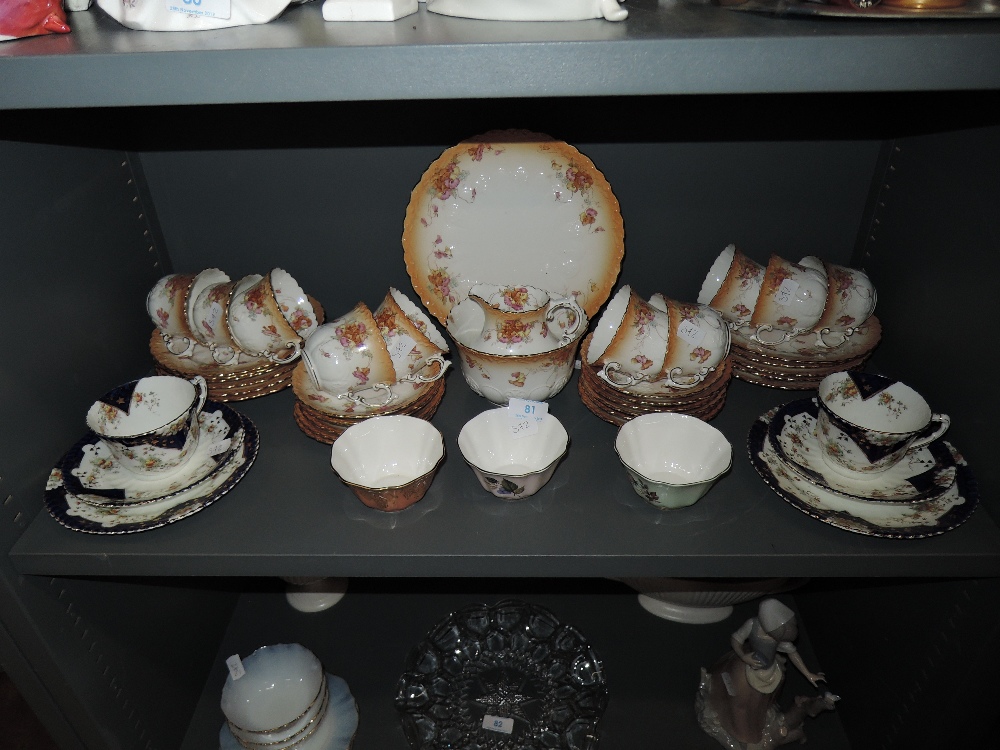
(409, 335)
(257, 322)
(850, 301)
(732, 286)
(699, 341)
(791, 302)
(150, 425)
(210, 323)
(867, 423)
(630, 340)
(167, 305)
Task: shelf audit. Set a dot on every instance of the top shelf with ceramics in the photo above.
(662, 48)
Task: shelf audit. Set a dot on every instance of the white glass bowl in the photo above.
(280, 693)
(388, 461)
(672, 459)
(506, 465)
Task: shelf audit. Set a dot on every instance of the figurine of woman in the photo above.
(737, 701)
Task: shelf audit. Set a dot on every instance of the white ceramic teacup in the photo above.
(699, 341)
(732, 285)
(867, 423)
(167, 305)
(791, 301)
(258, 324)
(210, 322)
(411, 338)
(630, 340)
(150, 425)
(850, 301)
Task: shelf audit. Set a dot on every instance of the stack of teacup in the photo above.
(516, 341)
(652, 356)
(242, 336)
(792, 323)
(365, 364)
(280, 698)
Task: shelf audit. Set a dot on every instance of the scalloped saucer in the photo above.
(914, 520)
(923, 474)
(77, 515)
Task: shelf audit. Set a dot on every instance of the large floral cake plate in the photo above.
(923, 474)
(77, 515)
(92, 473)
(889, 520)
(512, 207)
(504, 677)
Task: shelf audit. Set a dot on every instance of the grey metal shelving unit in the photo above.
(126, 154)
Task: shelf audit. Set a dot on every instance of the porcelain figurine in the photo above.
(22, 18)
(737, 701)
(187, 15)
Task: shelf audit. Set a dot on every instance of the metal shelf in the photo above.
(661, 48)
(291, 516)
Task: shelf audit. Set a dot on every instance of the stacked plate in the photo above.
(799, 363)
(929, 492)
(88, 491)
(249, 378)
(620, 404)
(322, 417)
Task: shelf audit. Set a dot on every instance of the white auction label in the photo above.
(498, 724)
(691, 332)
(400, 345)
(235, 665)
(214, 449)
(206, 8)
(525, 416)
(786, 292)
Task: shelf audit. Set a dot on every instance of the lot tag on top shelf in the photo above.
(400, 345)
(525, 416)
(498, 724)
(786, 291)
(206, 8)
(691, 332)
(235, 664)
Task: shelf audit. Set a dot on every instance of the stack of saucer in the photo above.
(928, 492)
(619, 404)
(799, 363)
(324, 417)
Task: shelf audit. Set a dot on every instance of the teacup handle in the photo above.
(689, 381)
(573, 306)
(414, 377)
(613, 370)
(295, 346)
(188, 345)
(202, 387)
(766, 327)
(944, 422)
(231, 359)
(353, 397)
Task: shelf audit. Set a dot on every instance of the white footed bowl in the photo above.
(508, 466)
(672, 459)
(279, 688)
